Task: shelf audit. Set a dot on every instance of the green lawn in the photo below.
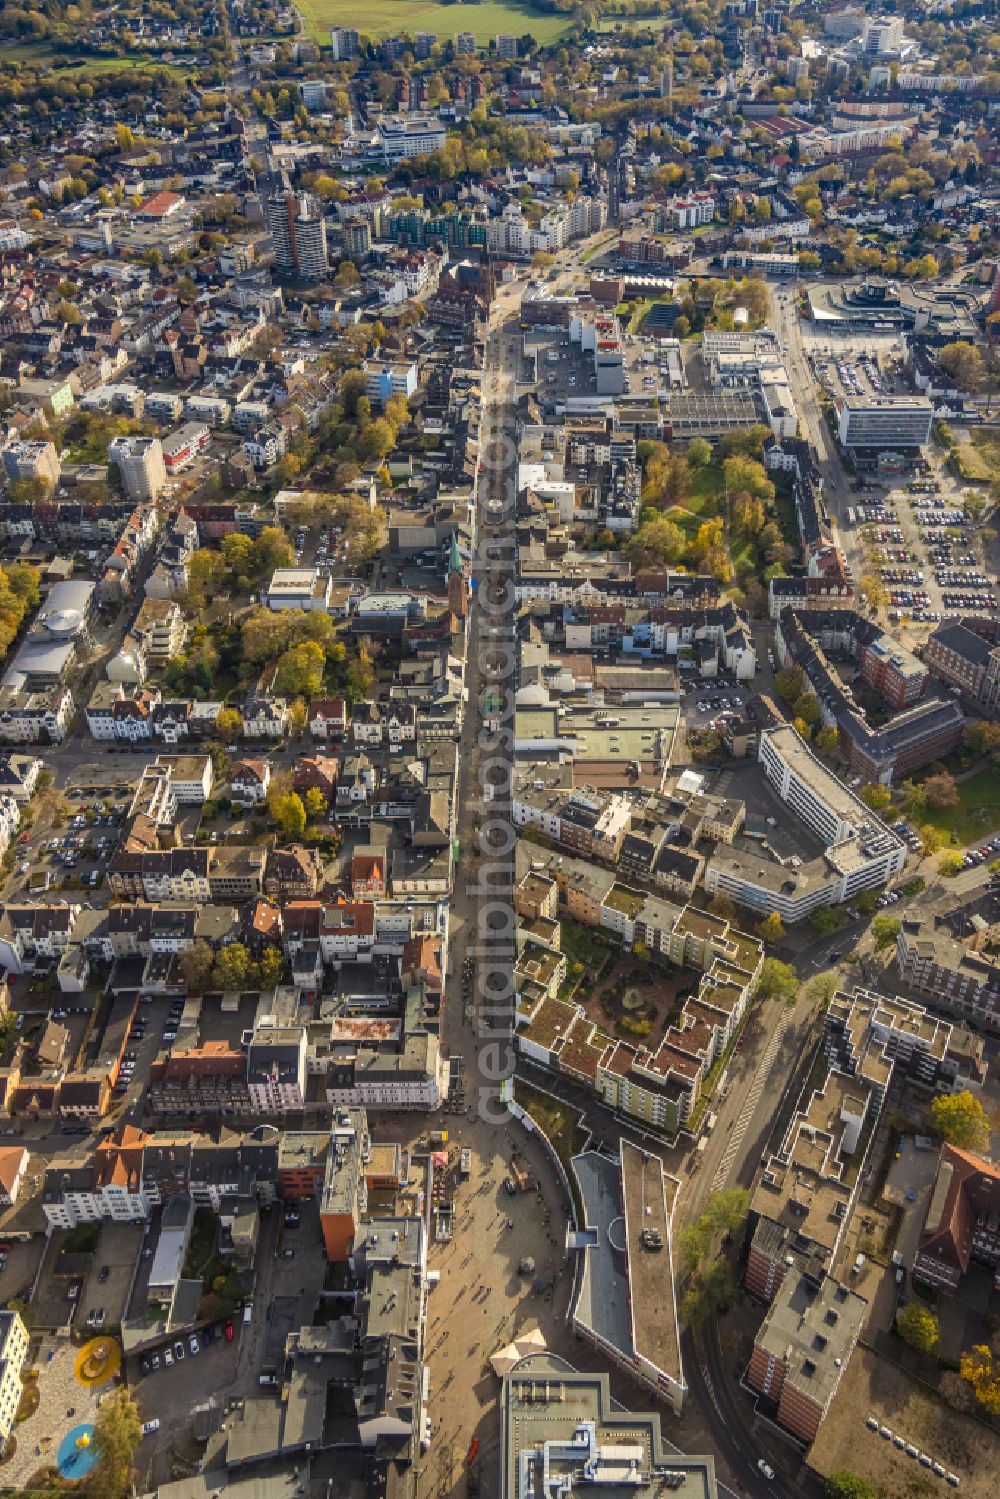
(582, 944)
(784, 503)
(706, 487)
(382, 19)
(635, 23)
(978, 811)
(41, 55)
(688, 521)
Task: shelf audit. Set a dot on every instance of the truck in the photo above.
(439, 1137)
(465, 1163)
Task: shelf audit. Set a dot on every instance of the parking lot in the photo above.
(70, 851)
(709, 701)
(104, 1295)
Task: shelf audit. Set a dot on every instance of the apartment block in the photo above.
(802, 1350)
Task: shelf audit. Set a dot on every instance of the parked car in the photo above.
(194, 1345)
(229, 1332)
(148, 1427)
(178, 1350)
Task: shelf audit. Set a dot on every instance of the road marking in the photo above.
(749, 1105)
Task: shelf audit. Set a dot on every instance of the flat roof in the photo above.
(602, 1300)
(652, 1306)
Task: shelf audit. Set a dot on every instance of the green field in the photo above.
(41, 55)
(978, 810)
(387, 17)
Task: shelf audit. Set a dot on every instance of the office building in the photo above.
(882, 36)
(564, 1425)
(298, 234)
(141, 466)
(405, 136)
(859, 851)
(885, 423)
(343, 43)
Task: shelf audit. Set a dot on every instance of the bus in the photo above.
(851, 517)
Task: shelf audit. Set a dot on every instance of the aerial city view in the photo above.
(499, 749)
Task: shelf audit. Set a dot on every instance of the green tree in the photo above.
(964, 363)
(315, 804)
(877, 797)
(299, 672)
(931, 839)
(288, 814)
(658, 541)
(980, 1368)
(721, 905)
(961, 1119)
(117, 1433)
(827, 739)
(271, 967)
(982, 737)
(727, 1211)
(196, 967)
(941, 791)
(229, 725)
(272, 549)
(771, 929)
(806, 707)
(233, 967)
(693, 1243)
(918, 1326)
(298, 716)
(825, 920)
(239, 554)
(844, 1484)
(950, 864)
(699, 452)
(777, 981)
(914, 798)
(822, 987)
(788, 683)
(885, 930)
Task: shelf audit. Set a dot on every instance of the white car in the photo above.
(765, 1468)
(148, 1427)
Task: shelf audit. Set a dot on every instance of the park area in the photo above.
(978, 811)
(484, 21)
(720, 511)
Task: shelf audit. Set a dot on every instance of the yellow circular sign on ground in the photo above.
(97, 1362)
